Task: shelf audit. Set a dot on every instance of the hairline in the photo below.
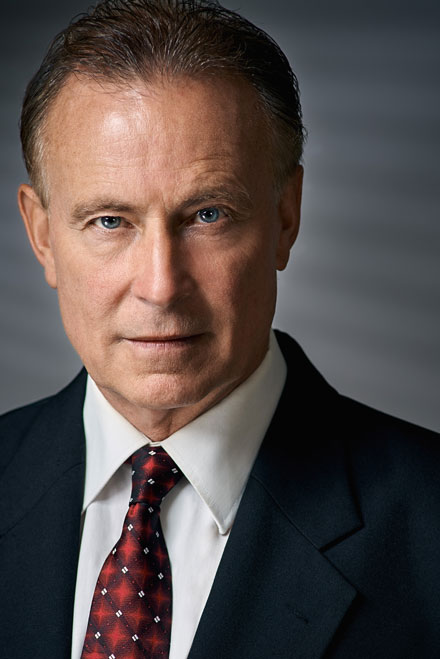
(124, 81)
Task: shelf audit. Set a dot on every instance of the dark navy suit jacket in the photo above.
(335, 551)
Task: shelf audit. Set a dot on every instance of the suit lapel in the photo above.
(40, 527)
(275, 593)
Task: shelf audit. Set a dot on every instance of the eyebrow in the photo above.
(233, 195)
(228, 194)
(100, 205)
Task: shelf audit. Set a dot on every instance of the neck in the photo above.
(159, 423)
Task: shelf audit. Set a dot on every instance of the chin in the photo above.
(164, 391)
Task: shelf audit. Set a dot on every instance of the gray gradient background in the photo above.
(361, 293)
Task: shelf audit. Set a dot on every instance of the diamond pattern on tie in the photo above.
(130, 617)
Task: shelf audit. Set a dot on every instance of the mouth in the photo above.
(166, 341)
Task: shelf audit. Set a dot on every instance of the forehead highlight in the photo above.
(228, 119)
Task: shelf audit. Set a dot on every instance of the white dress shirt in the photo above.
(215, 452)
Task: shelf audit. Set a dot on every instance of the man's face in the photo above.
(163, 237)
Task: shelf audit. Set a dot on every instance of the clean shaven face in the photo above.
(162, 235)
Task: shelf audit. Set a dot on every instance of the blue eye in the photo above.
(209, 215)
(110, 222)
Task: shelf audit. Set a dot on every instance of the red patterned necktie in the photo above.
(130, 616)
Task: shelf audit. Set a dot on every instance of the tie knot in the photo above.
(154, 474)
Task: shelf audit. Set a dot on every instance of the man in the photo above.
(163, 142)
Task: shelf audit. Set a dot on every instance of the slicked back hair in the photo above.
(123, 41)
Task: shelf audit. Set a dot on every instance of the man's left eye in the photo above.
(109, 222)
(209, 215)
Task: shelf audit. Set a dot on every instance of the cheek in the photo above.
(85, 292)
(242, 282)
(80, 270)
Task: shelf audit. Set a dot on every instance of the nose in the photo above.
(161, 274)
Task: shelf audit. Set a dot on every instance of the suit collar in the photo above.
(275, 593)
(53, 445)
(41, 495)
(308, 478)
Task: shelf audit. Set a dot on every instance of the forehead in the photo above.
(174, 131)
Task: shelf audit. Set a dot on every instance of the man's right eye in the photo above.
(108, 222)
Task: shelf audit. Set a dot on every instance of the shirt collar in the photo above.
(215, 451)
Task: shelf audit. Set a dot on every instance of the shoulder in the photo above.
(390, 466)
(363, 430)
(18, 424)
(15, 425)
(391, 460)
(370, 422)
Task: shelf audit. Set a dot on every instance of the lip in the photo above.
(166, 342)
(162, 339)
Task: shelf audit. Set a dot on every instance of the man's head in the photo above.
(166, 195)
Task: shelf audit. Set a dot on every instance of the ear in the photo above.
(289, 210)
(36, 221)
